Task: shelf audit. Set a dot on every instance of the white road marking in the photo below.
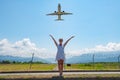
(57, 73)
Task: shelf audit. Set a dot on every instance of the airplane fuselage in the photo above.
(59, 8)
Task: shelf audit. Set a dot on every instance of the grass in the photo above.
(65, 77)
(26, 67)
(96, 66)
(49, 67)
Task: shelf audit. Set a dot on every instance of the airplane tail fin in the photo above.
(59, 19)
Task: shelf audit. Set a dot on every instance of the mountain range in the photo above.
(22, 59)
(83, 58)
(98, 57)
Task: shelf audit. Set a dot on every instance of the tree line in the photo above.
(18, 62)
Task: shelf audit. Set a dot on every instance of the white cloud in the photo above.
(110, 47)
(25, 48)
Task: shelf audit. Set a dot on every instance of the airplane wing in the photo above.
(52, 14)
(65, 13)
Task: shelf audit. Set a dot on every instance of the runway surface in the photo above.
(56, 73)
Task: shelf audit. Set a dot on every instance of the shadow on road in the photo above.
(57, 78)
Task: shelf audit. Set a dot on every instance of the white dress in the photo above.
(60, 53)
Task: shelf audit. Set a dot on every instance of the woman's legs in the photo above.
(60, 66)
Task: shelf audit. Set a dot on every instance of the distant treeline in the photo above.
(17, 62)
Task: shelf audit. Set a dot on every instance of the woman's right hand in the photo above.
(72, 36)
(50, 35)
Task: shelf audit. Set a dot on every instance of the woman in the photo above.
(60, 57)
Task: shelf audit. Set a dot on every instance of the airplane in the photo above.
(59, 13)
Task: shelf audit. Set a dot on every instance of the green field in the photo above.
(96, 66)
(26, 67)
(49, 67)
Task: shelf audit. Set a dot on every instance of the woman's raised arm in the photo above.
(54, 40)
(68, 41)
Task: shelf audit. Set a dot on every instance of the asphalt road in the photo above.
(56, 73)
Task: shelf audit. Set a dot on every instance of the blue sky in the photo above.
(93, 22)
